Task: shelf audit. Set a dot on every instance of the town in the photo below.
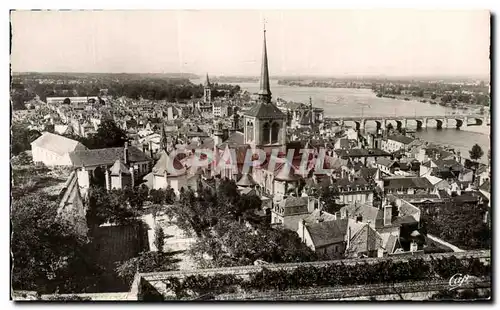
(153, 188)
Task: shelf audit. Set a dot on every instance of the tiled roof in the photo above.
(386, 162)
(234, 140)
(57, 144)
(411, 182)
(401, 139)
(265, 110)
(486, 186)
(319, 215)
(367, 212)
(294, 205)
(391, 243)
(361, 153)
(354, 184)
(106, 157)
(326, 233)
(365, 240)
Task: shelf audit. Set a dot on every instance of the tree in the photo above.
(235, 244)
(476, 152)
(21, 137)
(328, 195)
(107, 135)
(460, 224)
(147, 262)
(159, 238)
(108, 206)
(46, 250)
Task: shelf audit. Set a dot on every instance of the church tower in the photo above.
(207, 91)
(265, 123)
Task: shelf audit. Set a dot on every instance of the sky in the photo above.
(299, 42)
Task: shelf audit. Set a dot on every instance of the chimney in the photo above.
(132, 176)
(302, 225)
(108, 183)
(413, 246)
(387, 214)
(170, 113)
(349, 236)
(125, 153)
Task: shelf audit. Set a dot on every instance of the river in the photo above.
(363, 102)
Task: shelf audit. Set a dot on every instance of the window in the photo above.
(275, 130)
(265, 133)
(249, 131)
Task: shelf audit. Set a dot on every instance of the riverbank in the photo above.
(484, 130)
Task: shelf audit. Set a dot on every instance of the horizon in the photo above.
(424, 43)
(273, 77)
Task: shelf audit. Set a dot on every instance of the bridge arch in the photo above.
(458, 122)
(436, 123)
(477, 121)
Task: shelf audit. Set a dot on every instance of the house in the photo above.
(396, 143)
(483, 174)
(367, 242)
(327, 238)
(446, 169)
(407, 185)
(345, 144)
(171, 172)
(393, 223)
(353, 189)
(291, 210)
(426, 152)
(54, 150)
(93, 165)
(386, 165)
(361, 155)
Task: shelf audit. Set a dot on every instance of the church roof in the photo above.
(207, 81)
(286, 173)
(265, 89)
(265, 110)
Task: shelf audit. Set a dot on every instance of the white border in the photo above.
(492, 5)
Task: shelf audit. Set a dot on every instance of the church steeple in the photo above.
(265, 89)
(207, 91)
(207, 81)
(163, 138)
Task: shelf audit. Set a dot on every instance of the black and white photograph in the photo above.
(250, 155)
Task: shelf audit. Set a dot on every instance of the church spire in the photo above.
(163, 138)
(207, 81)
(265, 89)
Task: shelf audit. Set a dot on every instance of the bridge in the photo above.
(422, 122)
